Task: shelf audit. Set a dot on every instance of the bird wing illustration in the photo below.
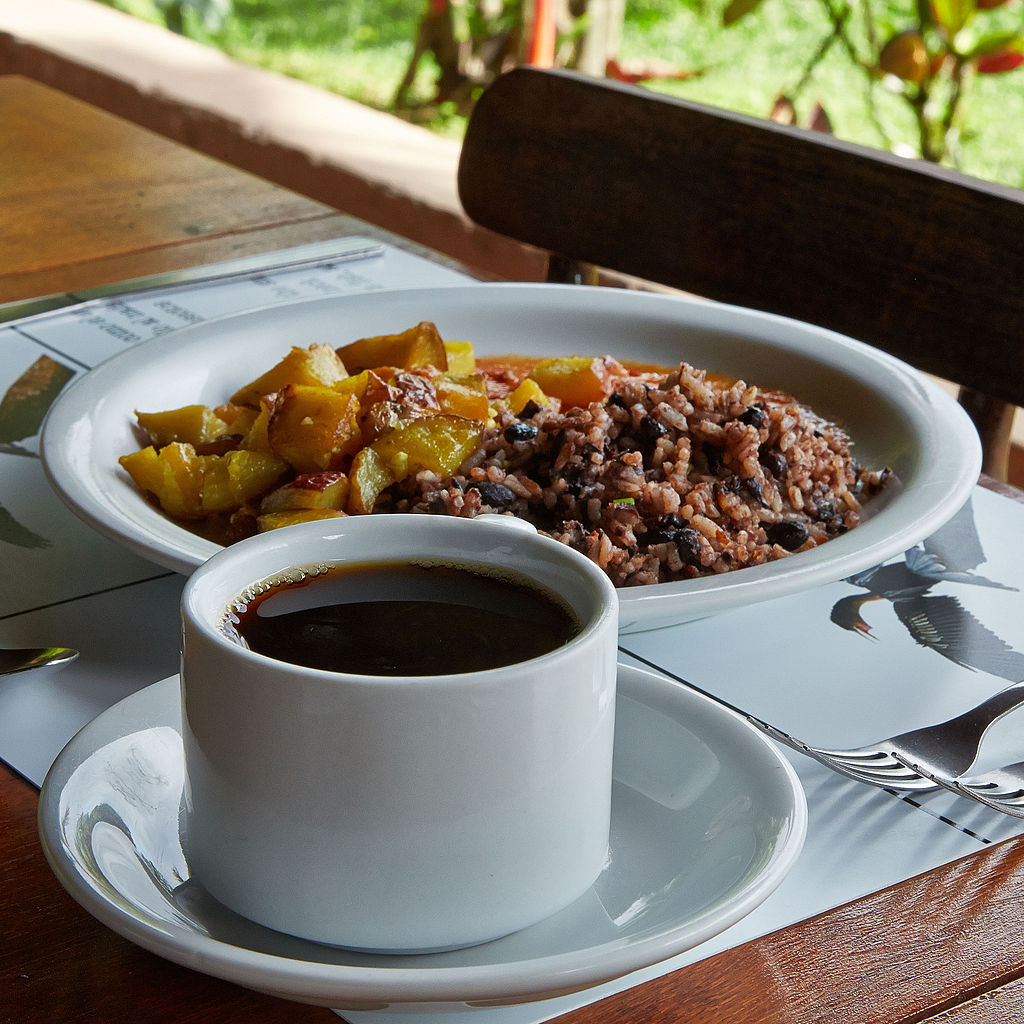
(12, 532)
(26, 401)
(863, 578)
(943, 625)
(956, 545)
(925, 563)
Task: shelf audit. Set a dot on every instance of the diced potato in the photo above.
(173, 475)
(389, 403)
(256, 438)
(414, 391)
(368, 476)
(316, 365)
(191, 486)
(252, 473)
(275, 520)
(356, 384)
(461, 358)
(309, 491)
(527, 391)
(191, 424)
(464, 395)
(438, 443)
(378, 418)
(575, 380)
(238, 418)
(418, 346)
(314, 428)
(234, 478)
(231, 479)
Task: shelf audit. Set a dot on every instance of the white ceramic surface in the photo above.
(707, 819)
(397, 813)
(896, 417)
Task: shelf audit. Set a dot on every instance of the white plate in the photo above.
(896, 417)
(707, 820)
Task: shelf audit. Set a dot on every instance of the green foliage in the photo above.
(362, 49)
(828, 52)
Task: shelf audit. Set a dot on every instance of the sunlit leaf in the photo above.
(24, 406)
(952, 15)
(738, 9)
(995, 43)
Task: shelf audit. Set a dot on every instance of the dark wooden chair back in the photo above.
(915, 259)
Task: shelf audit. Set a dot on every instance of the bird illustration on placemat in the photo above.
(938, 622)
(22, 410)
(26, 402)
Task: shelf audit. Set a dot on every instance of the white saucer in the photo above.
(707, 820)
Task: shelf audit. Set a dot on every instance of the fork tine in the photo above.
(859, 765)
(870, 765)
(1001, 790)
(889, 775)
(863, 756)
(1012, 805)
(880, 763)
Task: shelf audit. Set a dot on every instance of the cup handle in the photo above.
(509, 522)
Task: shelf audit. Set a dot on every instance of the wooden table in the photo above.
(88, 200)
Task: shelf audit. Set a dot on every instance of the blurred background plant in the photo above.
(209, 13)
(929, 61)
(938, 79)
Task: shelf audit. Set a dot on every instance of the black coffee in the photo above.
(397, 619)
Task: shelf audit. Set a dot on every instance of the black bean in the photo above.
(573, 485)
(649, 430)
(826, 510)
(787, 533)
(713, 457)
(753, 416)
(529, 410)
(665, 530)
(520, 432)
(615, 398)
(754, 486)
(689, 546)
(495, 495)
(775, 462)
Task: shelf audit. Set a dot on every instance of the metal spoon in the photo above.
(17, 660)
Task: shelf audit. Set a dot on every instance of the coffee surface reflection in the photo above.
(406, 619)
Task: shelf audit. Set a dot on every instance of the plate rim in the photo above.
(642, 607)
(517, 981)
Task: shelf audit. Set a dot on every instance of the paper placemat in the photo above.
(789, 661)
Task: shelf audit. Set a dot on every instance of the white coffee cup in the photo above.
(388, 813)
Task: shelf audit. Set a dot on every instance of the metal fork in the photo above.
(938, 754)
(916, 761)
(1002, 789)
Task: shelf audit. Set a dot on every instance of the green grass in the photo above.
(360, 49)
